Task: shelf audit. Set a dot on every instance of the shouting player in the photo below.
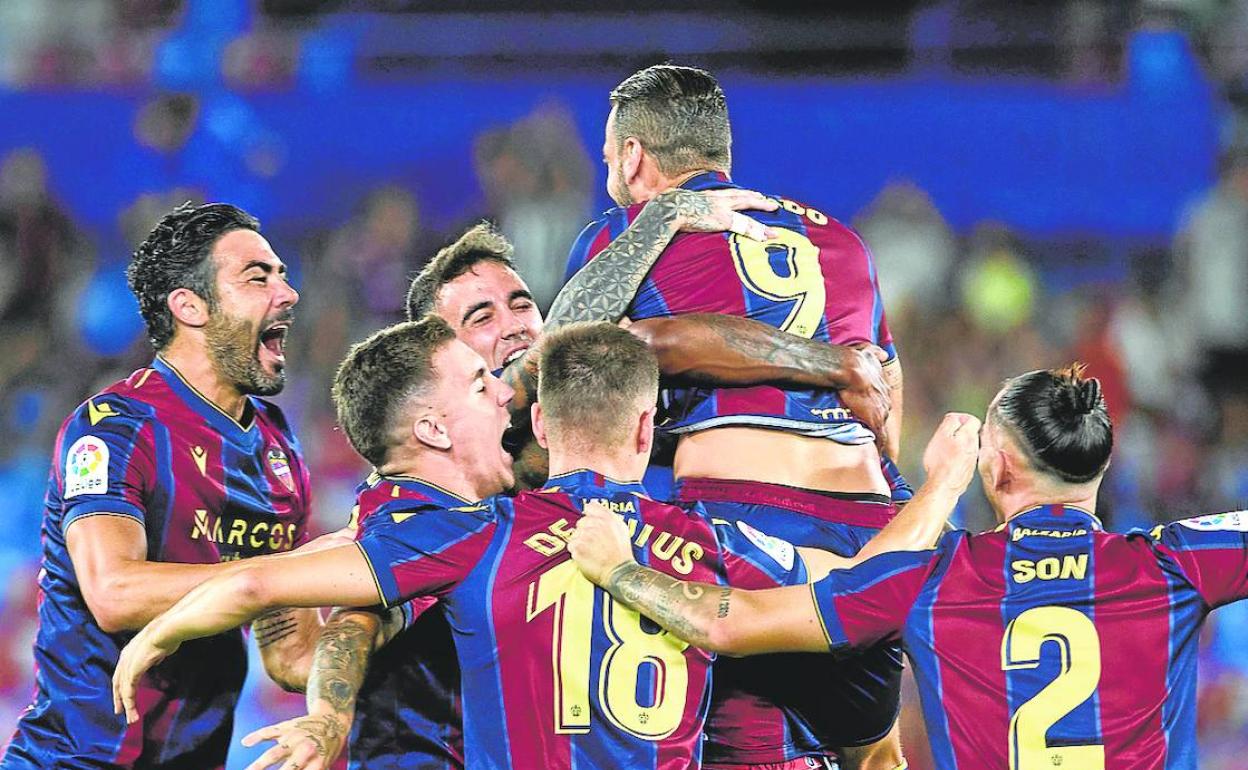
(409, 691)
(1046, 642)
(157, 482)
(795, 462)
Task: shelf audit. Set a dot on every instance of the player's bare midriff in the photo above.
(777, 457)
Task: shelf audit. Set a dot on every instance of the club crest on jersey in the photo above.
(281, 468)
(780, 550)
(86, 467)
(1234, 521)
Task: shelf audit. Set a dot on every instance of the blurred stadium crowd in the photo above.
(1167, 333)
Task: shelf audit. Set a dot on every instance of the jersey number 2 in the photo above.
(1080, 650)
(572, 596)
(799, 281)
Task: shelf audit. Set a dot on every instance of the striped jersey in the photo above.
(1049, 642)
(556, 674)
(408, 709)
(206, 489)
(816, 280)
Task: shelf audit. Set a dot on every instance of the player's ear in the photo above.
(538, 423)
(633, 156)
(430, 431)
(188, 308)
(645, 431)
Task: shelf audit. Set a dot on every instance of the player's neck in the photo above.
(611, 465)
(196, 367)
(663, 184)
(1013, 505)
(435, 469)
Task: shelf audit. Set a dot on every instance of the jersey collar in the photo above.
(583, 479)
(198, 402)
(707, 180)
(410, 487)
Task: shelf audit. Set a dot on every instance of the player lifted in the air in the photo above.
(795, 463)
(1044, 643)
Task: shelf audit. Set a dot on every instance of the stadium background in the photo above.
(1038, 181)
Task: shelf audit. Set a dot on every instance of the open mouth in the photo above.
(515, 355)
(273, 339)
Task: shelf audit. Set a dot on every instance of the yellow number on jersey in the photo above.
(572, 596)
(801, 283)
(1080, 649)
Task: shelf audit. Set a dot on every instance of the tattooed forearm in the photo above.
(603, 289)
(687, 610)
(784, 357)
(340, 662)
(275, 626)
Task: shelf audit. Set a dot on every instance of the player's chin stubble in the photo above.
(235, 351)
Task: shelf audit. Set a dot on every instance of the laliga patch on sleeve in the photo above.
(86, 467)
(1234, 521)
(780, 550)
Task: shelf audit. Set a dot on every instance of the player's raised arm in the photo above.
(603, 289)
(714, 349)
(336, 576)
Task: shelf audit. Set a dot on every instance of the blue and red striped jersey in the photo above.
(556, 674)
(206, 489)
(1049, 642)
(408, 713)
(817, 280)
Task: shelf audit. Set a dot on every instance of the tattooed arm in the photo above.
(711, 349)
(286, 638)
(314, 741)
(603, 289)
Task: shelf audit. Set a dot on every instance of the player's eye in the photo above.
(480, 319)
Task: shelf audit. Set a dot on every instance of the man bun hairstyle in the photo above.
(1060, 420)
(379, 376)
(177, 255)
(680, 116)
(481, 243)
(592, 377)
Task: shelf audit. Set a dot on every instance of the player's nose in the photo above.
(287, 295)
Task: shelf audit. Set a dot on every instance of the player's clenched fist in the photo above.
(600, 542)
(951, 455)
(137, 658)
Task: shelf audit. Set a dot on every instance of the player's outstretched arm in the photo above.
(314, 741)
(337, 576)
(713, 349)
(713, 617)
(603, 289)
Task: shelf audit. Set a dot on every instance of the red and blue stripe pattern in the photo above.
(554, 673)
(206, 489)
(817, 281)
(1050, 642)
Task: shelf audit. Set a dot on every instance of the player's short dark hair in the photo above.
(377, 378)
(481, 243)
(679, 114)
(1059, 418)
(591, 378)
(177, 255)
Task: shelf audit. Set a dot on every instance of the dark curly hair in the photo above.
(480, 243)
(176, 255)
(1060, 421)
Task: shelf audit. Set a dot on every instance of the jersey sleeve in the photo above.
(753, 559)
(869, 603)
(106, 462)
(879, 332)
(1213, 553)
(413, 608)
(423, 554)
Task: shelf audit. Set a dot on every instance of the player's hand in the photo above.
(600, 542)
(303, 743)
(344, 536)
(868, 396)
(137, 658)
(714, 211)
(951, 455)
